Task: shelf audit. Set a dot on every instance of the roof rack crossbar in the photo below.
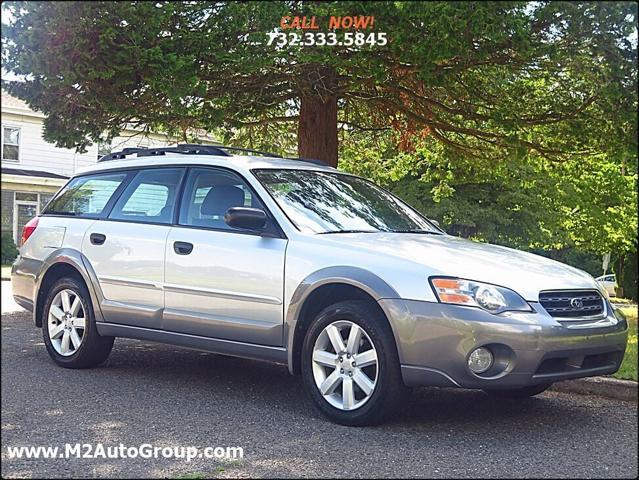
(120, 155)
(184, 149)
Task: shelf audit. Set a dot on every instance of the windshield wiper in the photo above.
(424, 232)
(349, 231)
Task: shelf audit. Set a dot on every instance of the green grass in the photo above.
(621, 300)
(628, 370)
(6, 271)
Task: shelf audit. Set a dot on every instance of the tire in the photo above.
(523, 392)
(358, 408)
(92, 349)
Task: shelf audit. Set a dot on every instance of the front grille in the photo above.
(572, 304)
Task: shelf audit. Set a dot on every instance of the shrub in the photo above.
(629, 282)
(9, 249)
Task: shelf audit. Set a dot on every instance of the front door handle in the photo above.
(97, 238)
(183, 248)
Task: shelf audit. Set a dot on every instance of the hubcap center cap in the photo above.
(348, 367)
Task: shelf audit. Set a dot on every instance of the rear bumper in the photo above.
(434, 341)
(23, 281)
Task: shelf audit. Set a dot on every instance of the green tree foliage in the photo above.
(576, 211)
(485, 79)
(629, 283)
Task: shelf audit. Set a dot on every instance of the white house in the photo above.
(33, 169)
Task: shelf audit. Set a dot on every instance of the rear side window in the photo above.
(85, 196)
(150, 197)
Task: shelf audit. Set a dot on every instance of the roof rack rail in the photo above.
(248, 150)
(184, 148)
(121, 154)
(198, 149)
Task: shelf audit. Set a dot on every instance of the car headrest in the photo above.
(221, 198)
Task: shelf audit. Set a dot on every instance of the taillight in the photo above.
(28, 229)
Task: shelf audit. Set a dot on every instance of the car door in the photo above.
(126, 249)
(222, 282)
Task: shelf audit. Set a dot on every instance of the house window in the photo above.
(11, 144)
(44, 199)
(26, 197)
(7, 211)
(20, 207)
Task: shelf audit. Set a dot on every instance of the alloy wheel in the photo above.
(66, 322)
(345, 365)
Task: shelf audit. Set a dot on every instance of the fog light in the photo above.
(480, 360)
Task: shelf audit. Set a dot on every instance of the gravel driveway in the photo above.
(158, 394)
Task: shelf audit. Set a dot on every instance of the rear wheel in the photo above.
(350, 364)
(523, 392)
(68, 326)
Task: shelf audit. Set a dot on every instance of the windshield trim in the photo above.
(254, 172)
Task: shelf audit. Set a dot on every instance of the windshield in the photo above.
(328, 202)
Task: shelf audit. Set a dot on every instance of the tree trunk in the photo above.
(317, 128)
(621, 264)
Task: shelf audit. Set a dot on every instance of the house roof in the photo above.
(11, 104)
(31, 173)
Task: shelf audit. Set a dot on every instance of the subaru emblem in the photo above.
(577, 303)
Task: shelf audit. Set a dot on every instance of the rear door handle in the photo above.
(183, 248)
(97, 238)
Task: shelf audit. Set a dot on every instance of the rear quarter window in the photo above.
(86, 195)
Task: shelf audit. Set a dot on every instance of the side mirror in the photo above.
(435, 222)
(245, 218)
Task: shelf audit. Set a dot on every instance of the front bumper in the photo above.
(435, 339)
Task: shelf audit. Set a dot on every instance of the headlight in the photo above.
(491, 298)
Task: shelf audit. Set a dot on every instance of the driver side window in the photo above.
(209, 194)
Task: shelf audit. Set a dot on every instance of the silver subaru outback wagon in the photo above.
(291, 261)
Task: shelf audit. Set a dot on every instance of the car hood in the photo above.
(446, 255)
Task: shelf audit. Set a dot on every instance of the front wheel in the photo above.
(350, 364)
(68, 326)
(523, 392)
